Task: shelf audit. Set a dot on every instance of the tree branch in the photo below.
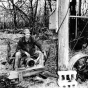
(17, 8)
(35, 10)
(49, 2)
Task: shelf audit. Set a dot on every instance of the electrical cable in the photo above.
(76, 39)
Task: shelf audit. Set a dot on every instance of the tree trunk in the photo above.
(14, 15)
(15, 24)
(79, 7)
(34, 19)
(32, 15)
(8, 51)
(46, 15)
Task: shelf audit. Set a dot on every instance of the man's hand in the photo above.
(28, 55)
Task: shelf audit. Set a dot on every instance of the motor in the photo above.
(30, 63)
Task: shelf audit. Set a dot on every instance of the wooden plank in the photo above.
(20, 75)
(78, 17)
(30, 68)
(25, 72)
(32, 73)
(76, 31)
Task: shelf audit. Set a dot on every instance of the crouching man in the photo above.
(26, 46)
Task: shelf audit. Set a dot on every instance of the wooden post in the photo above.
(57, 13)
(63, 34)
(76, 32)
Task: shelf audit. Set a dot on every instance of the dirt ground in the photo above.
(51, 66)
(45, 83)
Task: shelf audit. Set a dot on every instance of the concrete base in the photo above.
(66, 79)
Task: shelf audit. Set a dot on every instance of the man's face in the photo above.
(27, 35)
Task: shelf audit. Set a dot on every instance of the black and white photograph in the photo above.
(43, 43)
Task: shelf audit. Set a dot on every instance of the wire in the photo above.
(80, 35)
(76, 39)
(63, 22)
(52, 13)
(64, 17)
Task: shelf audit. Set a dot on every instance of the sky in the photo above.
(41, 3)
(5, 3)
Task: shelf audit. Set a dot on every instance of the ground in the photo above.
(51, 65)
(46, 83)
(13, 38)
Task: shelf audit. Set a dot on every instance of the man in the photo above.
(26, 46)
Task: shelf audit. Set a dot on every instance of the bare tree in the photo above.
(30, 15)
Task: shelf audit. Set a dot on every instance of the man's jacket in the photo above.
(28, 46)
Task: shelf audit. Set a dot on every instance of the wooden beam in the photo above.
(63, 35)
(78, 17)
(24, 72)
(57, 13)
(76, 31)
